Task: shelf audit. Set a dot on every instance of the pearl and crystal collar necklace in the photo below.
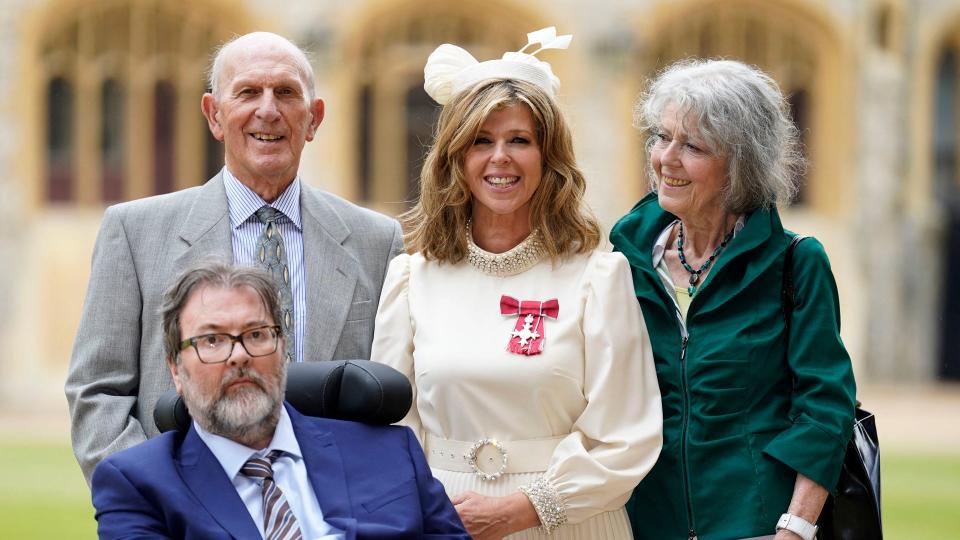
(519, 259)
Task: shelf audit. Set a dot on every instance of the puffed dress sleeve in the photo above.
(393, 332)
(617, 437)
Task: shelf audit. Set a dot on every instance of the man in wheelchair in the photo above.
(249, 465)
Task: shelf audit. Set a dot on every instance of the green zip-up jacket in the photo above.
(742, 415)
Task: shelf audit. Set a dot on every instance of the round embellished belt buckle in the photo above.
(484, 456)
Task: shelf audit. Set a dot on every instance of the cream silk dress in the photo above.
(587, 408)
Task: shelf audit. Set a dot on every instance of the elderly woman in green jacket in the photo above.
(756, 414)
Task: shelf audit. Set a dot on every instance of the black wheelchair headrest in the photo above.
(357, 390)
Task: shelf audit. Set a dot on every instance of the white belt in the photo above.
(490, 458)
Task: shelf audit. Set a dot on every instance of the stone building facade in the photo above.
(101, 101)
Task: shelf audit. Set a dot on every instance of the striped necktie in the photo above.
(279, 523)
(273, 257)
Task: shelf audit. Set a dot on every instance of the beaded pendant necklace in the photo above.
(695, 274)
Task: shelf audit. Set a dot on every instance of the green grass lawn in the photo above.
(43, 495)
(920, 496)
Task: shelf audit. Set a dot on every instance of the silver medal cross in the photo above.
(526, 334)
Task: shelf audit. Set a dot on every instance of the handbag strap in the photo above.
(787, 298)
(787, 293)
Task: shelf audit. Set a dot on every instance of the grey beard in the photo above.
(250, 414)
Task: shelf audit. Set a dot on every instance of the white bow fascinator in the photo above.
(451, 69)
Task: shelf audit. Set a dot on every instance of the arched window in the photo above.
(946, 190)
(364, 143)
(112, 147)
(59, 140)
(781, 43)
(945, 124)
(800, 111)
(123, 82)
(164, 131)
(422, 114)
(394, 116)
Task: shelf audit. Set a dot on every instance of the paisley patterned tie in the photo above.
(273, 257)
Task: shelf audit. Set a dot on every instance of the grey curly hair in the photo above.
(742, 115)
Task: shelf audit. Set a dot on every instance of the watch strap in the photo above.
(798, 525)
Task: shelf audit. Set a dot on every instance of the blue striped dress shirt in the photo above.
(243, 204)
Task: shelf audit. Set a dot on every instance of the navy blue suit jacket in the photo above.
(371, 481)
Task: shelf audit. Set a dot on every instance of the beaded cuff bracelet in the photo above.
(546, 501)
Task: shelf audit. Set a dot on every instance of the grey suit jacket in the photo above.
(118, 370)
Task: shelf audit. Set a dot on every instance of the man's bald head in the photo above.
(262, 105)
(232, 53)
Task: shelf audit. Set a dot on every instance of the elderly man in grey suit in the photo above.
(329, 255)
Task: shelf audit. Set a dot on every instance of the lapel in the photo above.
(330, 275)
(206, 230)
(204, 476)
(325, 469)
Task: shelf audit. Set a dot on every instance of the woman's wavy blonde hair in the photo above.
(437, 225)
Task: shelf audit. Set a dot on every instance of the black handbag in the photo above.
(853, 512)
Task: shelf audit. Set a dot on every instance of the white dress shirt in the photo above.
(243, 204)
(289, 473)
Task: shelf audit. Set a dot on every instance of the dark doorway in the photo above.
(947, 190)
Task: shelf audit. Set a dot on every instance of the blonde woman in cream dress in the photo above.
(535, 395)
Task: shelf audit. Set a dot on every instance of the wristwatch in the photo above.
(798, 525)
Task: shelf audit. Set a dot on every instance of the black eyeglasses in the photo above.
(217, 348)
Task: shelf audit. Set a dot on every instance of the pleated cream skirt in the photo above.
(605, 526)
